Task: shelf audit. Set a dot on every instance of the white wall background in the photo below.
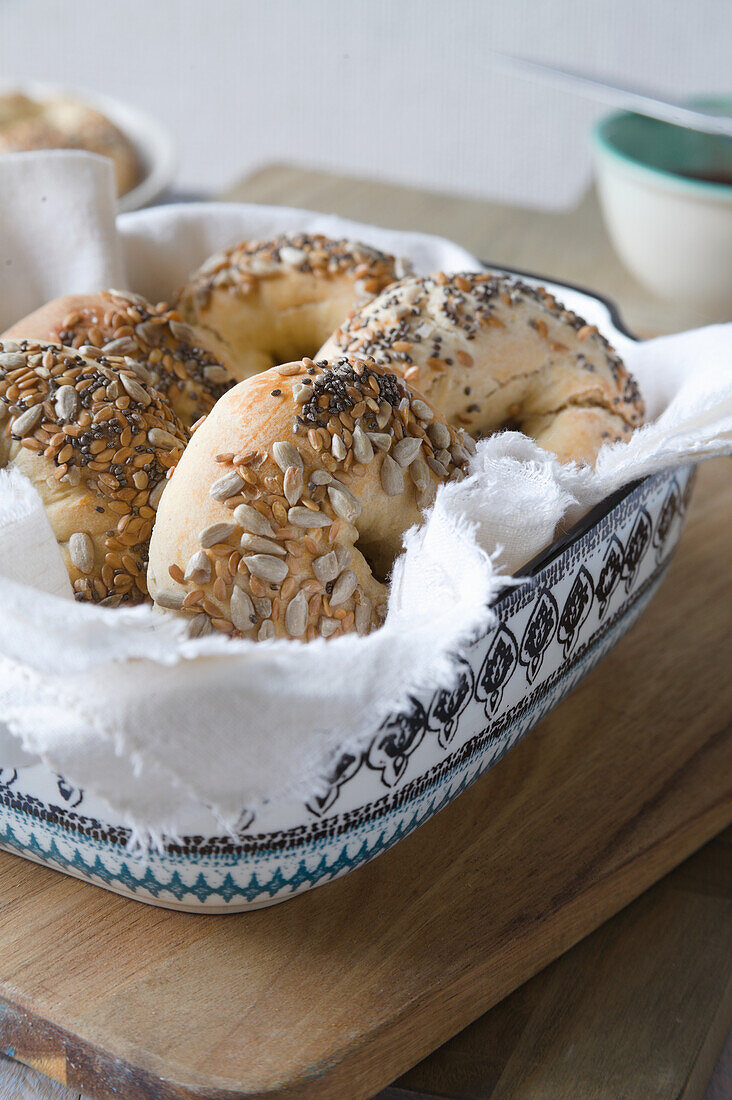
(397, 89)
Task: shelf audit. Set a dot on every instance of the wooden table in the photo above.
(640, 1007)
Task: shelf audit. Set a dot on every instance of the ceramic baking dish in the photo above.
(580, 597)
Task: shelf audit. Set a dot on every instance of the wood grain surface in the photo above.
(639, 1009)
(634, 1010)
(338, 991)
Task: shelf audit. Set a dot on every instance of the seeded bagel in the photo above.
(157, 346)
(286, 511)
(97, 445)
(492, 352)
(269, 302)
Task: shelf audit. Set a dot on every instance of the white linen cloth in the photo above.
(120, 701)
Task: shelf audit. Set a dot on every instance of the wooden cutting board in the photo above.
(334, 994)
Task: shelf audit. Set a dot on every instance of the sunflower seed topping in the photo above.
(468, 442)
(173, 601)
(141, 371)
(306, 517)
(182, 332)
(439, 435)
(12, 359)
(66, 402)
(328, 627)
(27, 422)
(227, 486)
(217, 532)
(252, 521)
(158, 437)
(156, 494)
(406, 450)
(338, 448)
(81, 551)
(199, 626)
(266, 631)
(344, 503)
(363, 615)
(129, 296)
(241, 610)
(293, 257)
(286, 454)
(326, 568)
(422, 410)
(258, 545)
(344, 556)
(216, 373)
(437, 467)
(267, 568)
(296, 616)
(420, 473)
(343, 588)
(123, 345)
(459, 455)
(263, 606)
(293, 484)
(380, 440)
(198, 568)
(426, 496)
(392, 478)
(363, 451)
(135, 391)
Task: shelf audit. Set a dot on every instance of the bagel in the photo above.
(491, 352)
(288, 507)
(166, 353)
(97, 445)
(269, 302)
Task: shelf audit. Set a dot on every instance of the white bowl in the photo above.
(673, 231)
(152, 143)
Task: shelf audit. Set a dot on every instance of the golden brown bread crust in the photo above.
(270, 302)
(61, 123)
(490, 352)
(97, 445)
(168, 354)
(290, 503)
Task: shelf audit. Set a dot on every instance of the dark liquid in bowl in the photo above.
(708, 177)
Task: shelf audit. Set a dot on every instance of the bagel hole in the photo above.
(379, 563)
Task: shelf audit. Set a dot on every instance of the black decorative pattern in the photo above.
(576, 609)
(610, 573)
(497, 669)
(447, 706)
(539, 632)
(344, 769)
(73, 795)
(636, 547)
(670, 508)
(395, 742)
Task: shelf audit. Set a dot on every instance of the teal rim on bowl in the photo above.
(670, 154)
